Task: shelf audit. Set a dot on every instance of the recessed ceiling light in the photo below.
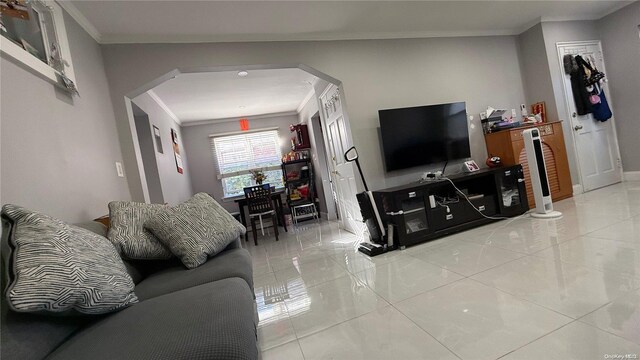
(243, 73)
(242, 106)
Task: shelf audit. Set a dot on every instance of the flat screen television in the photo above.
(424, 135)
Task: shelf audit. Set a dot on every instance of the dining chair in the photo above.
(260, 204)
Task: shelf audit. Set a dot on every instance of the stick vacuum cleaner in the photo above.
(370, 214)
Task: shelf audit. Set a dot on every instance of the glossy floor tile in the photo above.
(626, 231)
(476, 321)
(577, 341)
(310, 272)
(566, 288)
(382, 334)
(274, 326)
(408, 277)
(526, 236)
(355, 261)
(318, 307)
(603, 254)
(620, 317)
(467, 258)
(275, 334)
(288, 351)
(521, 288)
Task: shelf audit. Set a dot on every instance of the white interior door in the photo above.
(595, 142)
(341, 172)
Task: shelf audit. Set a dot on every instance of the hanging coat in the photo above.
(579, 89)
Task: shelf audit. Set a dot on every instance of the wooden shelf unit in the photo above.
(509, 146)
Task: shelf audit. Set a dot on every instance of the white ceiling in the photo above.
(198, 21)
(222, 95)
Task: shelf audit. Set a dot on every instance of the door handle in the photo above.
(335, 172)
(577, 127)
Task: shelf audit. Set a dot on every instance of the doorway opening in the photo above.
(206, 104)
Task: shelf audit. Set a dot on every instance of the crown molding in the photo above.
(73, 11)
(188, 39)
(568, 18)
(306, 99)
(164, 106)
(252, 117)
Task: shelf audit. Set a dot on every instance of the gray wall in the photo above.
(176, 187)
(198, 145)
(621, 47)
(535, 70)
(59, 153)
(147, 152)
(376, 74)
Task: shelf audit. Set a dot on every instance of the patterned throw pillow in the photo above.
(195, 229)
(55, 267)
(128, 234)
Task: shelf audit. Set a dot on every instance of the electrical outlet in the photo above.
(119, 169)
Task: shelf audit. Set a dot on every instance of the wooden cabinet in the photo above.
(509, 146)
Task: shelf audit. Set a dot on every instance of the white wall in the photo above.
(176, 187)
(198, 145)
(376, 74)
(58, 153)
(621, 47)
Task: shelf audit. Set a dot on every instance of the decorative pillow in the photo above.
(195, 229)
(128, 234)
(55, 267)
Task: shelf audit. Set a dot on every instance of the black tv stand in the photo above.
(432, 209)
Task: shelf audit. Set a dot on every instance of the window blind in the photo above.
(239, 154)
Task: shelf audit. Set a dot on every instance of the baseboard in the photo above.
(631, 176)
(577, 189)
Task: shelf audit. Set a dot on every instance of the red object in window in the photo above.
(244, 124)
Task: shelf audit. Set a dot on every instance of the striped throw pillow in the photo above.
(195, 229)
(128, 234)
(57, 267)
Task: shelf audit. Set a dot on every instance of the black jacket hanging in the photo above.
(579, 88)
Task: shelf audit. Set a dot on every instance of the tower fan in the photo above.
(538, 174)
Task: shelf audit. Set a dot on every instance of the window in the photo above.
(33, 33)
(237, 155)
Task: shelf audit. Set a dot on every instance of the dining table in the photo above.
(276, 196)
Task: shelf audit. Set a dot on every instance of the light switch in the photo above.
(119, 169)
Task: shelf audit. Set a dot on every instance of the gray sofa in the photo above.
(205, 313)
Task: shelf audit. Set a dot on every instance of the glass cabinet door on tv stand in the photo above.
(412, 220)
(512, 191)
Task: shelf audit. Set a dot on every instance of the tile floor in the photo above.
(515, 289)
